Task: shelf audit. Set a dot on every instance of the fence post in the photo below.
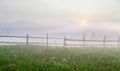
(118, 41)
(104, 41)
(47, 39)
(27, 39)
(64, 42)
(83, 40)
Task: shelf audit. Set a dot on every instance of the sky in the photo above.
(59, 16)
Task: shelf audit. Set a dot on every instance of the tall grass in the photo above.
(39, 58)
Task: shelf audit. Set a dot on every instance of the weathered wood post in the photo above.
(47, 39)
(84, 40)
(104, 41)
(64, 42)
(27, 39)
(118, 41)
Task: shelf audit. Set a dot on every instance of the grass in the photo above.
(39, 58)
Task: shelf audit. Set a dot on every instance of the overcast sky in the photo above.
(59, 15)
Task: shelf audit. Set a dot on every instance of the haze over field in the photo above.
(59, 16)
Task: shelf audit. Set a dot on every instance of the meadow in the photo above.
(41, 58)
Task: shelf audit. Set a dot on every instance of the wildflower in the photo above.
(69, 56)
(64, 60)
(77, 69)
(83, 62)
(53, 58)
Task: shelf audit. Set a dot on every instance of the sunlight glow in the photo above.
(82, 23)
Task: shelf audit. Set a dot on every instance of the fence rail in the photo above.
(64, 41)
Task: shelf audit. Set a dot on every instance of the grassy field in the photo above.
(38, 58)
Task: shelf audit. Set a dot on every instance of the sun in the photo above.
(81, 23)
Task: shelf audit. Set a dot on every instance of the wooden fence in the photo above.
(66, 42)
